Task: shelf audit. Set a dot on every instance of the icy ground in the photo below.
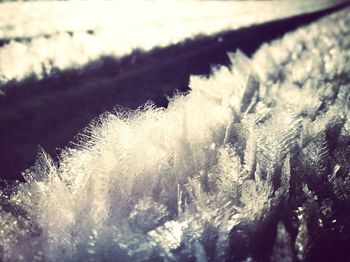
(251, 165)
(41, 38)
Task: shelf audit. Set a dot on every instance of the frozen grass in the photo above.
(41, 38)
(259, 143)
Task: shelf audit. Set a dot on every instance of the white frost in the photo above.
(207, 162)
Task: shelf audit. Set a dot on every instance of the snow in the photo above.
(180, 183)
(43, 37)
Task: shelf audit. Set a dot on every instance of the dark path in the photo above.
(51, 112)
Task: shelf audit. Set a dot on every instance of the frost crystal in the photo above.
(249, 149)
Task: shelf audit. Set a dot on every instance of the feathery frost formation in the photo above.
(251, 164)
(42, 38)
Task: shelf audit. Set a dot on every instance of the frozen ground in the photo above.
(41, 38)
(251, 165)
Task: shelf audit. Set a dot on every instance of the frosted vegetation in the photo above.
(263, 142)
(40, 39)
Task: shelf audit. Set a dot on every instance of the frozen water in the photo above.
(198, 179)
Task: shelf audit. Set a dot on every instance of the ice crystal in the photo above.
(282, 250)
(208, 178)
